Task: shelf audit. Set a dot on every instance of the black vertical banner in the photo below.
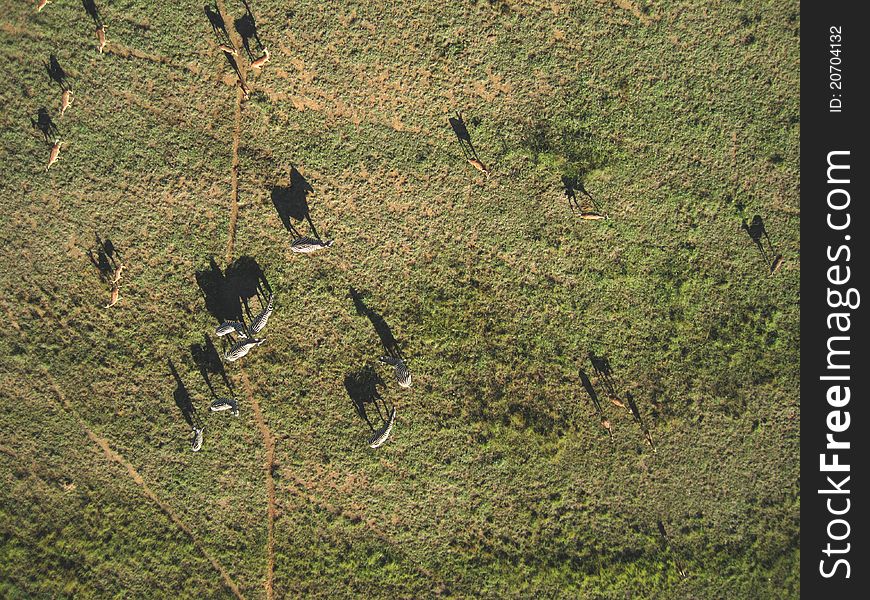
(834, 265)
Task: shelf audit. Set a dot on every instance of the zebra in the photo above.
(403, 375)
(260, 320)
(241, 348)
(236, 327)
(222, 404)
(196, 443)
(381, 435)
(306, 245)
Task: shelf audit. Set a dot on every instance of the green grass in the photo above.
(498, 480)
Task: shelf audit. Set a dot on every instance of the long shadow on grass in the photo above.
(104, 256)
(217, 23)
(364, 388)
(44, 123)
(246, 26)
(182, 398)
(291, 202)
(757, 232)
(56, 72)
(93, 12)
(227, 292)
(391, 346)
(208, 361)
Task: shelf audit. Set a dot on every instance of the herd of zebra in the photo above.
(245, 338)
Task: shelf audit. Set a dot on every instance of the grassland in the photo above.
(498, 481)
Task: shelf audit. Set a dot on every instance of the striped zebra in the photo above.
(241, 348)
(260, 320)
(222, 404)
(381, 435)
(306, 245)
(400, 369)
(196, 443)
(236, 327)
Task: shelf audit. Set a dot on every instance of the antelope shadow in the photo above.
(93, 12)
(246, 27)
(218, 27)
(388, 341)
(571, 186)
(208, 361)
(227, 293)
(596, 402)
(45, 124)
(104, 257)
(461, 131)
(235, 66)
(364, 388)
(604, 372)
(632, 406)
(182, 398)
(291, 202)
(757, 232)
(56, 73)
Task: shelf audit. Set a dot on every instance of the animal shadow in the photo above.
(388, 341)
(596, 403)
(227, 292)
(104, 256)
(364, 388)
(291, 202)
(56, 73)
(246, 27)
(218, 27)
(757, 232)
(208, 361)
(182, 399)
(586, 207)
(93, 12)
(45, 124)
(461, 131)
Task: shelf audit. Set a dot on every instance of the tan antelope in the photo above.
(592, 216)
(617, 402)
(65, 101)
(101, 38)
(53, 155)
(261, 62)
(606, 424)
(41, 4)
(228, 49)
(114, 295)
(116, 278)
(474, 162)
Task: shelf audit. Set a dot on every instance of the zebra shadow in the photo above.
(291, 202)
(364, 387)
(227, 293)
(208, 361)
(104, 256)
(182, 398)
(385, 334)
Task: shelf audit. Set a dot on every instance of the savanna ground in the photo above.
(498, 480)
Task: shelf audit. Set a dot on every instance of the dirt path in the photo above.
(268, 465)
(112, 455)
(237, 133)
(265, 432)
